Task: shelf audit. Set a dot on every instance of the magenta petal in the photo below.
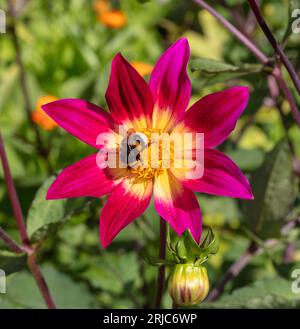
(80, 118)
(216, 114)
(221, 177)
(177, 205)
(125, 203)
(83, 178)
(128, 95)
(169, 81)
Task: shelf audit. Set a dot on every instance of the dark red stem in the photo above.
(39, 278)
(287, 94)
(33, 266)
(161, 270)
(12, 244)
(13, 195)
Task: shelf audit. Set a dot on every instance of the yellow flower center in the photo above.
(148, 153)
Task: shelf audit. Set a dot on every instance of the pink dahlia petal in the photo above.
(126, 202)
(216, 114)
(170, 84)
(83, 178)
(177, 205)
(221, 177)
(80, 118)
(128, 95)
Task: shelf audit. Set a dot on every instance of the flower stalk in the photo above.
(16, 207)
(162, 268)
(26, 247)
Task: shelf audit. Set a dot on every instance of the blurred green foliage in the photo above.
(67, 53)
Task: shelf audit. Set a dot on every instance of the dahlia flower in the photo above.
(160, 107)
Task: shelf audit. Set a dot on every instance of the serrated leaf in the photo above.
(270, 294)
(112, 272)
(11, 262)
(275, 189)
(45, 216)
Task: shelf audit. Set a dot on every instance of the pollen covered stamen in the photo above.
(147, 173)
(148, 162)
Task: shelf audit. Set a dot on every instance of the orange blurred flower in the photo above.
(112, 18)
(143, 68)
(101, 6)
(40, 117)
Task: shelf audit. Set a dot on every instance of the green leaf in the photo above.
(270, 293)
(275, 189)
(112, 272)
(45, 216)
(212, 71)
(11, 262)
(212, 67)
(208, 66)
(22, 291)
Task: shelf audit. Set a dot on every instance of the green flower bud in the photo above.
(188, 284)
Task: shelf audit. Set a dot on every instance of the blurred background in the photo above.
(63, 49)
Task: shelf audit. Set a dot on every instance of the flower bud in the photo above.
(188, 284)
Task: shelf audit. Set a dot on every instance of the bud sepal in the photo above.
(187, 250)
